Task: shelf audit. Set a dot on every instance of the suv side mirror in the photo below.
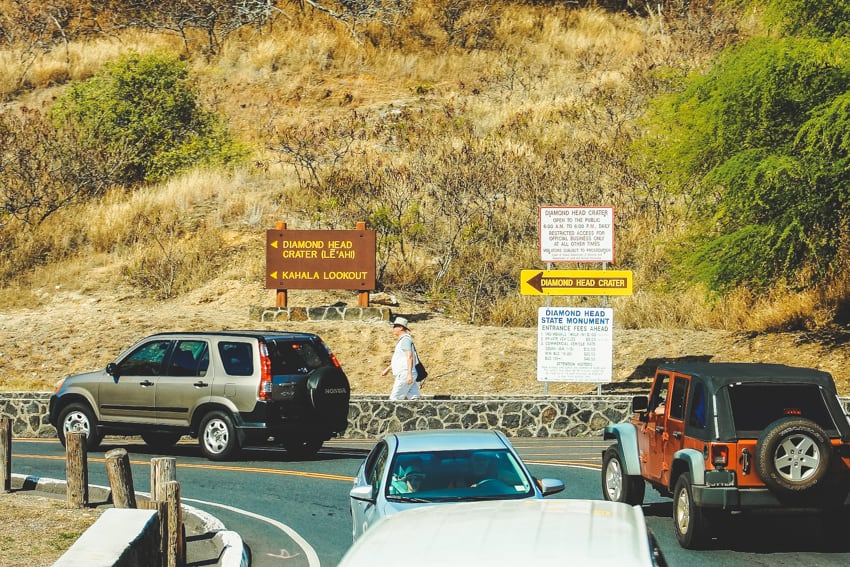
(640, 403)
(112, 369)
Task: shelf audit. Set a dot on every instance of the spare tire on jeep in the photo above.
(793, 455)
(329, 393)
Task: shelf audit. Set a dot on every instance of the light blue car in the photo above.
(421, 468)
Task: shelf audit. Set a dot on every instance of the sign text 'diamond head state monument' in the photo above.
(320, 259)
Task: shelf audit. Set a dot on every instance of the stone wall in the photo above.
(371, 416)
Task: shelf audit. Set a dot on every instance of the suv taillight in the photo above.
(332, 355)
(265, 390)
(719, 456)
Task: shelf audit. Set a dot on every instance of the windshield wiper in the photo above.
(408, 499)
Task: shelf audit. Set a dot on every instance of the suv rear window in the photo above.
(755, 406)
(297, 357)
(237, 358)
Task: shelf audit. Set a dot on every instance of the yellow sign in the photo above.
(575, 282)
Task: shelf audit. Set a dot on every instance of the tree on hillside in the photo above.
(145, 102)
(760, 145)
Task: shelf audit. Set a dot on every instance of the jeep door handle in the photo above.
(200, 384)
(146, 383)
(677, 434)
(659, 429)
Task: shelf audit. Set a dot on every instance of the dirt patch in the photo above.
(37, 530)
(75, 332)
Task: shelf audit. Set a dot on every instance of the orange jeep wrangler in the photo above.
(732, 437)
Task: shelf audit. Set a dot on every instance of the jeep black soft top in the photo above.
(758, 393)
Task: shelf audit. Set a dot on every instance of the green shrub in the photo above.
(759, 145)
(144, 106)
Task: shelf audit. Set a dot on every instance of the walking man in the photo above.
(403, 363)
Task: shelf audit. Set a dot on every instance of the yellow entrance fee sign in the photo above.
(575, 282)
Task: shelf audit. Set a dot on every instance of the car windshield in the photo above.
(445, 476)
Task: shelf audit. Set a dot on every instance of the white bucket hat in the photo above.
(400, 321)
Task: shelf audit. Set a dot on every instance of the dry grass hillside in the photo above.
(75, 332)
(451, 134)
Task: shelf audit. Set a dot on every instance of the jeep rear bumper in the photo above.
(732, 498)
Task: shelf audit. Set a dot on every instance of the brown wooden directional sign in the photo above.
(320, 259)
(575, 282)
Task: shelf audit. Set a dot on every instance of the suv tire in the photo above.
(793, 455)
(217, 436)
(617, 486)
(329, 393)
(691, 523)
(79, 418)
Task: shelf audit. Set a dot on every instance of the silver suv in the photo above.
(229, 389)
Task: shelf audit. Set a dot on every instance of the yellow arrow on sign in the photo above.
(575, 282)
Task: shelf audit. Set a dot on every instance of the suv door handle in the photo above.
(146, 383)
(200, 384)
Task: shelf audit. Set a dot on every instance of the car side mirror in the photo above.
(550, 485)
(363, 493)
(640, 403)
(112, 369)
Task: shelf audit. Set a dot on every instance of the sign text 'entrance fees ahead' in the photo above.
(575, 344)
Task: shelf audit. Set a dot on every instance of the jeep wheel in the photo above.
(616, 485)
(692, 525)
(218, 437)
(161, 440)
(78, 418)
(792, 455)
(329, 394)
(302, 448)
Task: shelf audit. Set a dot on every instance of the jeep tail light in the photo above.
(265, 390)
(719, 456)
(792, 411)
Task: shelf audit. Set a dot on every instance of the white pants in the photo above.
(404, 391)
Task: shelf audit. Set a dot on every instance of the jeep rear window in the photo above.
(755, 406)
(297, 357)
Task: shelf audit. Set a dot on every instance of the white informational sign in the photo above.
(576, 234)
(575, 344)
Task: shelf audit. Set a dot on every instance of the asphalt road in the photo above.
(295, 513)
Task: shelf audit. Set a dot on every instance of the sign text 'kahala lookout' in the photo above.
(320, 259)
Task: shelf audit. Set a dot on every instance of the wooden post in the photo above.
(161, 507)
(77, 471)
(362, 296)
(280, 295)
(120, 478)
(175, 550)
(6, 453)
(163, 469)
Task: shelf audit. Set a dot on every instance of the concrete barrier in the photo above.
(119, 538)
